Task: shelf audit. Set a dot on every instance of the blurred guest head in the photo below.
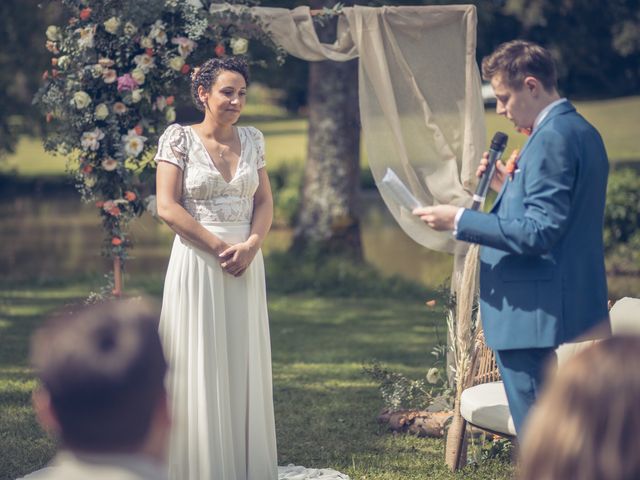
(101, 370)
(586, 423)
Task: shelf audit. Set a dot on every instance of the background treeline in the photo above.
(597, 44)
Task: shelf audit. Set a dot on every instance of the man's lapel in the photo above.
(560, 109)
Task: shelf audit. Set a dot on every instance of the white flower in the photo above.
(53, 33)
(101, 112)
(433, 375)
(109, 164)
(146, 42)
(91, 140)
(119, 108)
(151, 205)
(185, 45)
(170, 114)
(176, 63)
(112, 25)
(138, 75)
(136, 95)
(63, 62)
(81, 100)
(109, 75)
(130, 29)
(144, 62)
(133, 143)
(86, 37)
(97, 70)
(239, 45)
(161, 102)
(157, 32)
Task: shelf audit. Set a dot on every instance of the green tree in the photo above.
(23, 58)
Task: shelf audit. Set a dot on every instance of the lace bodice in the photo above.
(206, 195)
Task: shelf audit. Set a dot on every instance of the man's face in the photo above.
(518, 105)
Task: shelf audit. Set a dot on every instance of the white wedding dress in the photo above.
(215, 329)
(214, 326)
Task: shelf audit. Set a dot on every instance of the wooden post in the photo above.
(117, 277)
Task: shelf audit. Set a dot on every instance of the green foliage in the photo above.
(22, 60)
(401, 393)
(286, 180)
(334, 275)
(622, 211)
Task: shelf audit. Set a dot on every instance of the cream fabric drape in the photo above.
(420, 103)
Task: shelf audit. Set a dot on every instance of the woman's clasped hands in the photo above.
(237, 258)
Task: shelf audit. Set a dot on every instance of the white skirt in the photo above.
(215, 332)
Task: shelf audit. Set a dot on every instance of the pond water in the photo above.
(47, 236)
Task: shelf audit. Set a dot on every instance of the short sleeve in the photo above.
(258, 141)
(172, 146)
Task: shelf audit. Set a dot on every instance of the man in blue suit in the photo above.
(542, 273)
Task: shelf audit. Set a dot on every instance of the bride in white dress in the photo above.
(214, 192)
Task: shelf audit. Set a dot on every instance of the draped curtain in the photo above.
(419, 91)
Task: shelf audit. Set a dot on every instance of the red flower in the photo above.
(114, 211)
(54, 61)
(149, 51)
(85, 13)
(87, 169)
(512, 163)
(99, 204)
(130, 196)
(185, 69)
(219, 50)
(45, 74)
(115, 241)
(170, 100)
(49, 117)
(138, 129)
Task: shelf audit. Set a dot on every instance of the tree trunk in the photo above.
(327, 219)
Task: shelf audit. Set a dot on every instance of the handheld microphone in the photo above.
(498, 144)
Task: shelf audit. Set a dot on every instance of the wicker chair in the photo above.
(484, 372)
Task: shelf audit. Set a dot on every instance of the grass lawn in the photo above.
(286, 138)
(325, 407)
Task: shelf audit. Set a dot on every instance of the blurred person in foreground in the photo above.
(587, 420)
(101, 394)
(542, 272)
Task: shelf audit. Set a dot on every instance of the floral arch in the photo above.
(116, 69)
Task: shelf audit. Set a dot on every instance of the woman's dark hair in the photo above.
(207, 74)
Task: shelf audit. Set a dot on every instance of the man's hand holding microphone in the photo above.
(492, 173)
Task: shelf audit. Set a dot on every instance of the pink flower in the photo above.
(126, 82)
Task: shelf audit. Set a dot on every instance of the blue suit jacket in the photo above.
(542, 273)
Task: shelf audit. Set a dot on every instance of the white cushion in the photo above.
(486, 406)
(625, 316)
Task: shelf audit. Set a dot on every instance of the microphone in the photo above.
(498, 144)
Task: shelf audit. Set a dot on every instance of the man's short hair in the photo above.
(104, 369)
(518, 59)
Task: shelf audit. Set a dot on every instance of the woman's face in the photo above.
(226, 98)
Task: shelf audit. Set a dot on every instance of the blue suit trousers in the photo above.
(523, 372)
